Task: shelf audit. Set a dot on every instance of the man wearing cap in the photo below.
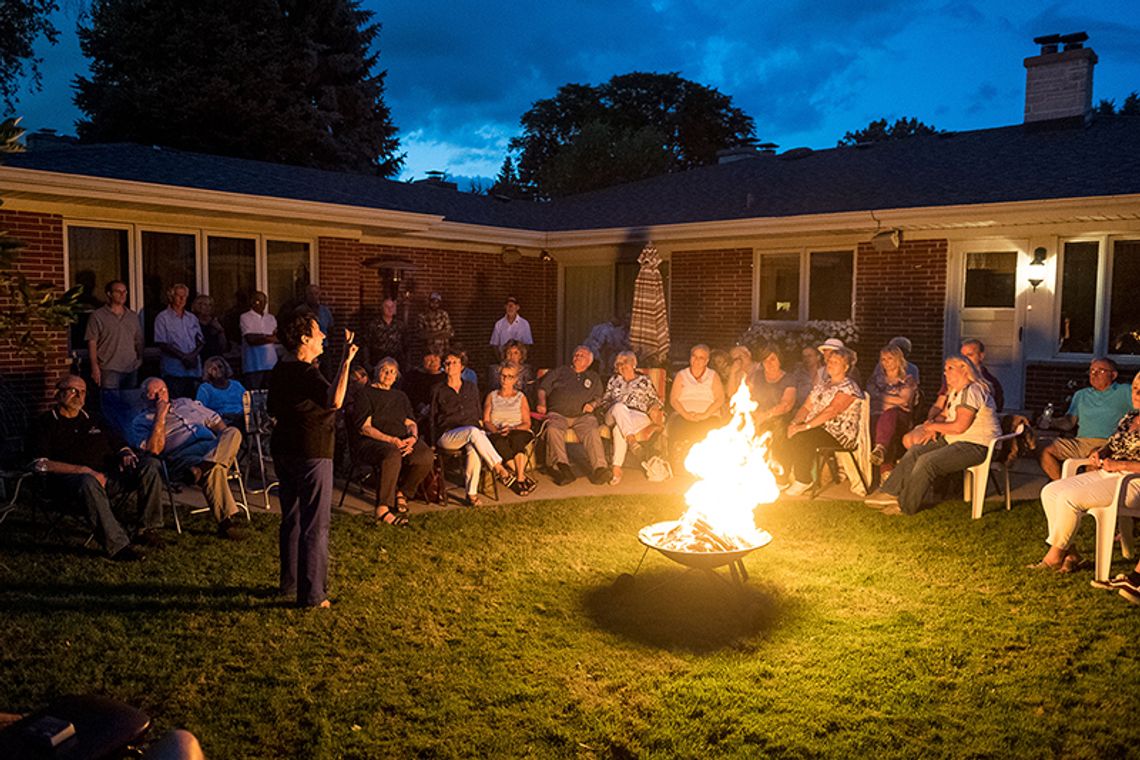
(825, 348)
(510, 326)
(435, 326)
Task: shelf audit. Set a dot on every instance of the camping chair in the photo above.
(855, 463)
(1107, 517)
(976, 478)
(234, 474)
(258, 425)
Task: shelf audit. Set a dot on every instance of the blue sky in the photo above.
(460, 73)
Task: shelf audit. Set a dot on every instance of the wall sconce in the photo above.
(1035, 282)
(1039, 255)
(545, 255)
(511, 254)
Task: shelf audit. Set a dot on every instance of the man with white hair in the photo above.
(568, 396)
(178, 334)
(196, 444)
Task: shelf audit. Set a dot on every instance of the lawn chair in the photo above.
(258, 425)
(1116, 514)
(976, 478)
(234, 475)
(855, 463)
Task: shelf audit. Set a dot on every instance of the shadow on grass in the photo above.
(687, 609)
(115, 598)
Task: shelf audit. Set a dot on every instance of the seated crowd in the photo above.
(397, 421)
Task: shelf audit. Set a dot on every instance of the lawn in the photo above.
(499, 633)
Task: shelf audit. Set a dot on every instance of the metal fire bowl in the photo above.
(698, 560)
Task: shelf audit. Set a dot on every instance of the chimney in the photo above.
(1059, 81)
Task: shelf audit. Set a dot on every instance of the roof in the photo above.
(1016, 163)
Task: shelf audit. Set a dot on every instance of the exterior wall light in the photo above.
(1039, 255)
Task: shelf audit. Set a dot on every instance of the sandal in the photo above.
(473, 500)
(1072, 564)
(386, 516)
(506, 479)
(401, 503)
(529, 486)
(518, 487)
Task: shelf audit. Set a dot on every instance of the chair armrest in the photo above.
(1071, 467)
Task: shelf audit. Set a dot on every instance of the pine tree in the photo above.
(506, 184)
(22, 22)
(291, 81)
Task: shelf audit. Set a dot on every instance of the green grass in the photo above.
(498, 633)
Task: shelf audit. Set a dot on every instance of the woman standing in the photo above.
(631, 405)
(305, 406)
(506, 415)
(892, 392)
(455, 419)
(829, 417)
(952, 442)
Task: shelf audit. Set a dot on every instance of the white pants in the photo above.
(625, 422)
(1066, 502)
(478, 447)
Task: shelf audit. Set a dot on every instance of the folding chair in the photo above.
(976, 478)
(856, 463)
(1116, 514)
(258, 424)
(234, 474)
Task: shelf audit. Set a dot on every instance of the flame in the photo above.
(734, 478)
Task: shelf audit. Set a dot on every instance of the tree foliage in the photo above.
(881, 131)
(507, 184)
(22, 22)
(1130, 107)
(26, 305)
(290, 81)
(648, 123)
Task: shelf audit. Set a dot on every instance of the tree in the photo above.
(506, 184)
(25, 305)
(22, 22)
(1131, 106)
(290, 81)
(690, 122)
(879, 131)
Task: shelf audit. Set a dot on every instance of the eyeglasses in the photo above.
(72, 390)
(1100, 371)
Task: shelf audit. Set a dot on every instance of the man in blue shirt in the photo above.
(1094, 411)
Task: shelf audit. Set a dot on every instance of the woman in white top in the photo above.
(506, 418)
(697, 399)
(952, 442)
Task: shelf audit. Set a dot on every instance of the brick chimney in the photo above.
(1059, 81)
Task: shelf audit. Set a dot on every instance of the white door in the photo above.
(984, 289)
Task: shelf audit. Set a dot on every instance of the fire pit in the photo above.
(719, 528)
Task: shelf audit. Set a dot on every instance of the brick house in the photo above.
(1027, 236)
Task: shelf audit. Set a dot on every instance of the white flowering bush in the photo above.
(792, 338)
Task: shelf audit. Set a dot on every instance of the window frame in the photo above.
(804, 253)
(1103, 298)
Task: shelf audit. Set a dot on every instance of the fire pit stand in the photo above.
(707, 561)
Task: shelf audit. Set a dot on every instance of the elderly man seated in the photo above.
(84, 461)
(1093, 413)
(197, 445)
(568, 396)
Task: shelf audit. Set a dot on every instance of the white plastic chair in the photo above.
(977, 477)
(1108, 516)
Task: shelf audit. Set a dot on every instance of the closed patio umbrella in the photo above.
(649, 324)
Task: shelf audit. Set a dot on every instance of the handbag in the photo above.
(657, 469)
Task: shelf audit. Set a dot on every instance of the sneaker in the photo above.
(229, 530)
(797, 489)
(880, 498)
(1131, 595)
(563, 475)
(150, 538)
(600, 476)
(1111, 583)
(127, 554)
(878, 454)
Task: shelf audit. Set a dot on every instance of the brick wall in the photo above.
(903, 292)
(710, 299)
(31, 379)
(474, 287)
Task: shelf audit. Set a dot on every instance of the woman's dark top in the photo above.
(299, 402)
(451, 409)
(388, 409)
(768, 394)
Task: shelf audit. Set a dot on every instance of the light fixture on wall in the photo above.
(1039, 255)
(544, 255)
(511, 254)
(888, 240)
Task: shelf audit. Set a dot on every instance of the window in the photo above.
(1123, 314)
(167, 258)
(95, 256)
(288, 272)
(232, 264)
(1078, 297)
(830, 284)
(1093, 285)
(991, 280)
(827, 278)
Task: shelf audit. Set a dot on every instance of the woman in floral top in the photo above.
(631, 405)
(829, 417)
(1066, 501)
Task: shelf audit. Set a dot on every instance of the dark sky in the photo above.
(460, 73)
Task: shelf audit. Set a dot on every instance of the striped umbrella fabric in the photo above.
(649, 324)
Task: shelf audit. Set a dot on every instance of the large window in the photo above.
(95, 256)
(168, 258)
(1083, 265)
(827, 278)
(232, 265)
(991, 280)
(287, 271)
